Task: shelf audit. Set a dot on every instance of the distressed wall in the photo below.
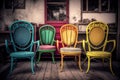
(74, 10)
(105, 17)
(35, 12)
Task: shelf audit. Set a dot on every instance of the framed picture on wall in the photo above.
(15, 4)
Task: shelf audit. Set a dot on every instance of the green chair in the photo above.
(22, 43)
(47, 35)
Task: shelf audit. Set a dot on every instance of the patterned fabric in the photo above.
(70, 49)
(98, 53)
(22, 54)
(22, 36)
(69, 37)
(97, 36)
(47, 47)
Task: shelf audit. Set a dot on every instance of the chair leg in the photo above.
(35, 62)
(53, 59)
(111, 66)
(39, 56)
(88, 65)
(103, 61)
(79, 62)
(84, 61)
(61, 65)
(11, 65)
(32, 65)
(76, 58)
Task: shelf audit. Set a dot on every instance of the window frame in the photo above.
(50, 21)
(99, 7)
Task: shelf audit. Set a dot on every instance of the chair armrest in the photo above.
(7, 46)
(57, 44)
(77, 42)
(84, 45)
(38, 44)
(54, 41)
(114, 44)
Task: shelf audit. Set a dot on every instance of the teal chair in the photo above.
(22, 43)
(47, 35)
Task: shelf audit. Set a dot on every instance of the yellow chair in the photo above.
(96, 41)
(69, 36)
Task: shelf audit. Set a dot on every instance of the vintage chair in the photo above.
(96, 43)
(47, 35)
(69, 36)
(22, 42)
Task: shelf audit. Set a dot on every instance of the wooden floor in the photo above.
(46, 70)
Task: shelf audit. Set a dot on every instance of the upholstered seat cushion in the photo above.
(22, 54)
(47, 47)
(70, 49)
(98, 54)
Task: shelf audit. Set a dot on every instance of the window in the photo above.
(99, 5)
(93, 5)
(104, 5)
(15, 4)
(56, 10)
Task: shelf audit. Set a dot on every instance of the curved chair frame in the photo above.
(69, 36)
(97, 40)
(47, 35)
(22, 42)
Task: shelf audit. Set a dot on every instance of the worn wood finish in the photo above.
(46, 70)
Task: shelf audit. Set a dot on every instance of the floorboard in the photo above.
(46, 70)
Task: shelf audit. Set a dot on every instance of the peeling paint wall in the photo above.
(33, 12)
(74, 10)
(104, 17)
